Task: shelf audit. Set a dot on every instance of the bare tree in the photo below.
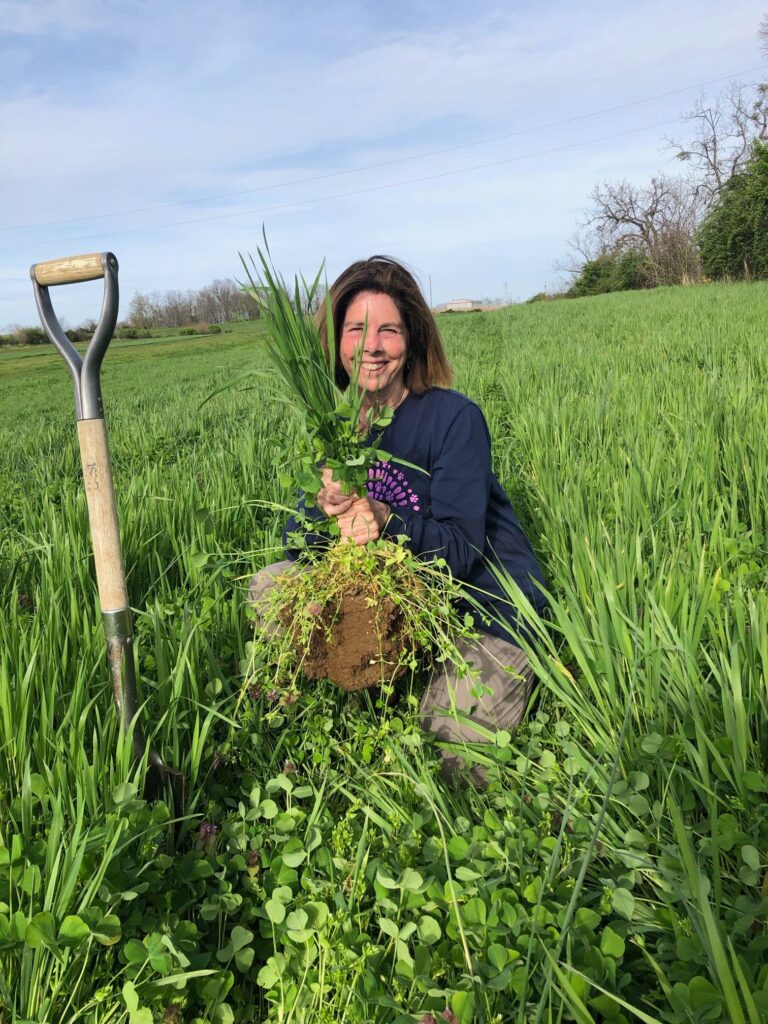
(723, 133)
(220, 302)
(142, 311)
(658, 219)
(582, 247)
(763, 35)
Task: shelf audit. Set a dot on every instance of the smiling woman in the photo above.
(436, 489)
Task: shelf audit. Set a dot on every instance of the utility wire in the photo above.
(385, 163)
(346, 195)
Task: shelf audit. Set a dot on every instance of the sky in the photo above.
(462, 138)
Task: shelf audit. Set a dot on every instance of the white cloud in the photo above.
(210, 98)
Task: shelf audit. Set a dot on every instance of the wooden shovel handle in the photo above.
(70, 269)
(102, 513)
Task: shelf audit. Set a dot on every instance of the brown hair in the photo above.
(426, 365)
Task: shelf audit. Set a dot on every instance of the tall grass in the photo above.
(629, 866)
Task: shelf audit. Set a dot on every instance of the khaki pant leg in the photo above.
(502, 667)
(259, 589)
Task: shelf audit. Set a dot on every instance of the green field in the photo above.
(616, 865)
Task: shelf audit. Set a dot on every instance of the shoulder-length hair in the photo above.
(426, 363)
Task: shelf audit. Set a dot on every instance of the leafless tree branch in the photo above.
(723, 133)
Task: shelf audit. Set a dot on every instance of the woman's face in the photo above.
(384, 349)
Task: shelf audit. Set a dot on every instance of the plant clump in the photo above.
(359, 616)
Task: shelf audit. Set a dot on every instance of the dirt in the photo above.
(366, 642)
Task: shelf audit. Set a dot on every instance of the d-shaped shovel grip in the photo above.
(85, 372)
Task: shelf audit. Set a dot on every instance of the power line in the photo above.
(384, 163)
(346, 195)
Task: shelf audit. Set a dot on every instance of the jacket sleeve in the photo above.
(460, 486)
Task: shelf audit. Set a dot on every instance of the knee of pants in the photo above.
(265, 579)
(259, 590)
(504, 669)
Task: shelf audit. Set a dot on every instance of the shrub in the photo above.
(613, 272)
(30, 336)
(733, 238)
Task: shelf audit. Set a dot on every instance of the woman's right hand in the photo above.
(331, 498)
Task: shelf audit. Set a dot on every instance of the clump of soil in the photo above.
(359, 643)
(357, 616)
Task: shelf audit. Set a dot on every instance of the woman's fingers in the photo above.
(333, 504)
(331, 497)
(359, 523)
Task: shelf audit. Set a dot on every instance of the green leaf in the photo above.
(297, 920)
(475, 911)
(757, 782)
(268, 809)
(465, 874)
(107, 931)
(429, 930)
(652, 743)
(142, 1016)
(244, 958)
(41, 932)
(72, 931)
(275, 911)
(587, 918)
(639, 781)
(612, 944)
(124, 793)
(130, 996)
(269, 974)
(134, 951)
(623, 903)
(457, 848)
(240, 937)
(293, 853)
(410, 880)
(532, 892)
(215, 989)
(463, 1005)
(389, 927)
(386, 880)
(751, 857)
(497, 955)
(318, 915)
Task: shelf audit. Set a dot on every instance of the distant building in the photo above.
(462, 305)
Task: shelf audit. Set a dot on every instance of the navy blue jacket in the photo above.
(455, 509)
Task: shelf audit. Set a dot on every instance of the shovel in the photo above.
(100, 495)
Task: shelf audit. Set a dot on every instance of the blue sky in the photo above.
(428, 131)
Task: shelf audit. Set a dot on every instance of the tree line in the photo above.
(709, 222)
(218, 303)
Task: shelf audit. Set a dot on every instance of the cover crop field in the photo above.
(616, 865)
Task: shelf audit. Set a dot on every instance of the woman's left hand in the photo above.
(363, 521)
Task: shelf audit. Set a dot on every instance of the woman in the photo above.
(455, 509)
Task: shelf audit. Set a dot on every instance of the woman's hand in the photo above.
(331, 498)
(363, 521)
